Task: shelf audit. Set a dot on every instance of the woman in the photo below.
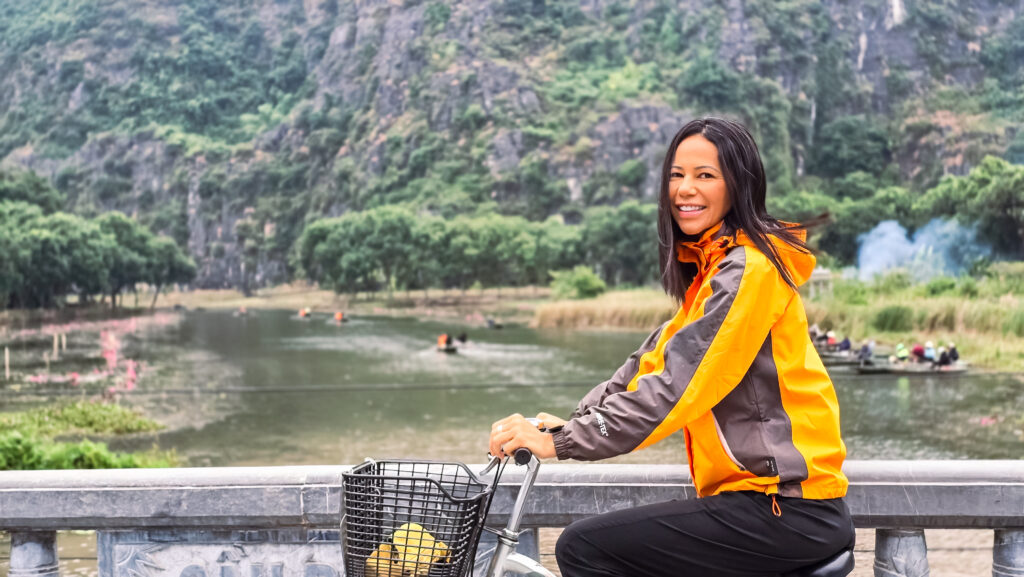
(735, 369)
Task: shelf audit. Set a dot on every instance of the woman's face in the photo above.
(696, 186)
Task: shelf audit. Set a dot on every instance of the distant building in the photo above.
(820, 282)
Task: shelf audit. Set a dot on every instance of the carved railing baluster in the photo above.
(34, 554)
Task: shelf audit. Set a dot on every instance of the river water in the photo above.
(270, 389)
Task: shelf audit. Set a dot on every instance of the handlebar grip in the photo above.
(523, 455)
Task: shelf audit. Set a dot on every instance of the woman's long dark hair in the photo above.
(745, 183)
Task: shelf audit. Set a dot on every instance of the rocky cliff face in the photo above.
(401, 98)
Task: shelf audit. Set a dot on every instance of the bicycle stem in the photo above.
(532, 468)
(508, 538)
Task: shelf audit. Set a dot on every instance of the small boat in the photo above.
(450, 349)
(836, 358)
(911, 369)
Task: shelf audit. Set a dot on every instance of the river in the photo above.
(271, 389)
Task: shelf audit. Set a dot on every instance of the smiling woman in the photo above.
(735, 370)
(696, 187)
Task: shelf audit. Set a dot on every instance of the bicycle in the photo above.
(425, 518)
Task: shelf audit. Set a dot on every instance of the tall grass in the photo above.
(641, 309)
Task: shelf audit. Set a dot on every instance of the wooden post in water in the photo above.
(7, 363)
(64, 342)
(56, 343)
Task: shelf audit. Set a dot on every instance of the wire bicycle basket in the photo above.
(408, 518)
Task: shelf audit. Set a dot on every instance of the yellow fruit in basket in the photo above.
(382, 562)
(417, 549)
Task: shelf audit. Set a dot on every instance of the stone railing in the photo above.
(283, 521)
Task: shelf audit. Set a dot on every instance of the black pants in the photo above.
(731, 534)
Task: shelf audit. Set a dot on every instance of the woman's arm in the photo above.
(698, 366)
(515, 431)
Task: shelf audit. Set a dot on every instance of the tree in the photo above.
(169, 265)
(621, 242)
(88, 251)
(27, 186)
(391, 242)
(848, 144)
(132, 256)
(558, 246)
(991, 196)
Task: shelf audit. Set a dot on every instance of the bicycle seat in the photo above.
(838, 565)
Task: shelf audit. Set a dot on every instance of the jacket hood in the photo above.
(717, 240)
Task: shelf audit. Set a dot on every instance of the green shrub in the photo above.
(967, 287)
(895, 318)
(940, 285)
(578, 283)
(19, 452)
(851, 292)
(892, 282)
(81, 417)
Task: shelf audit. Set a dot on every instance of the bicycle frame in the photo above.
(505, 556)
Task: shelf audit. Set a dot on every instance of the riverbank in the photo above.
(988, 332)
(515, 305)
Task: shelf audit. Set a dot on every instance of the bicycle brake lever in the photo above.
(494, 462)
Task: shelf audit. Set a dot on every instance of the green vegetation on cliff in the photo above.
(232, 127)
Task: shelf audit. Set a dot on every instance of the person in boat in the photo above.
(954, 355)
(339, 317)
(917, 352)
(865, 354)
(844, 345)
(902, 354)
(462, 337)
(814, 331)
(830, 339)
(444, 341)
(942, 360)
(929, 351)
(733, 371)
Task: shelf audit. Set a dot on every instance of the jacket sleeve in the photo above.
(700, 364)
(620, 379)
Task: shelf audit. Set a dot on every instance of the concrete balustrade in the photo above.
(282, 521)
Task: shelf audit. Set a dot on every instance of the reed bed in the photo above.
(641, 309)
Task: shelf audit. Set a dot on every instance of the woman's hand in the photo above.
(550, 421)
(514, 432)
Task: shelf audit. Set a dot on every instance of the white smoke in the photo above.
(942, 247)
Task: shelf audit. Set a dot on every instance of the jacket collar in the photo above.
(711, 245)
(710, 249)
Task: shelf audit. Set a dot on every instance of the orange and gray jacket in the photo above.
(736, 370)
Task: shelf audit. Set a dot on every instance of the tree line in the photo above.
(393, 247)
(46, 255)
